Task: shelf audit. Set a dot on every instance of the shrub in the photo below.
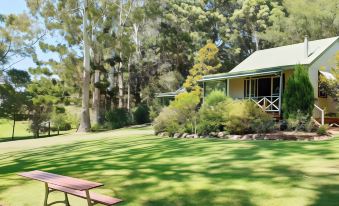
(214, 98)
(179, 116)
(322, 130)
(260, 121)
(60, 122)
(242, 116)
(185, 106)
(167, 121)
(300, 122)
(299, 95)
(97, 127)
(117, 118)
(210, 114)
(141, 114)
(155, 109)
(59, 109)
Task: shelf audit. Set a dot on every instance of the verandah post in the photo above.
(228, 87)
(280, 90)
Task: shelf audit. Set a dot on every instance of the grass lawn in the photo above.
(147, 170)
(21, 130)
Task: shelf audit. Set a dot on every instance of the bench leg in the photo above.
(66, 199)
(89, 202)
(46, 194)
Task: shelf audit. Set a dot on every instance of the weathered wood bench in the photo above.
(70, 185)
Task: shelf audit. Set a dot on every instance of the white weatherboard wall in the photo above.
(325, 61)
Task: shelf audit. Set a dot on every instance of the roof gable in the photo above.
(284, 55)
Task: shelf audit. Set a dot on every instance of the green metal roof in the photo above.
(273, 60)
(171, 94)
(231, 75)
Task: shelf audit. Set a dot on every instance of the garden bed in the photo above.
(280, 135)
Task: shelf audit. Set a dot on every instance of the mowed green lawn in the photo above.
(21, 130)
(6, 127)
(143, 169)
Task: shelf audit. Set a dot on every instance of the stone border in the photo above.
(278, 136)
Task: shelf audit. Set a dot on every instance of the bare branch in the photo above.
(3, 70)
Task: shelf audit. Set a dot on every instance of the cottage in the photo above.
(263, 75)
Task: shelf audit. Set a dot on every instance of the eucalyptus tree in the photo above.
(80, 26)
(18, 35)
(13, 98)
(304, 18)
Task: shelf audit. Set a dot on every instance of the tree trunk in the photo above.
(256, 40)
(129, 84)
(121, 86)
(49, 129)
(13, 126)
(85, 124)
(96, 98)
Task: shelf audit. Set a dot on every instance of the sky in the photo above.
(16, 7)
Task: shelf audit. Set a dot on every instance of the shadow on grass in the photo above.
(7, 139)
(159, 171)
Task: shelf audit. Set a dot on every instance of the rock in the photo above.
(234, 137)
(176, 135)
(164, 134)
(184, 135)
(226, 137)
(195, 136)
(246, 137)
(257, 137)
(189, 136)
(220, 134)
(213, 134)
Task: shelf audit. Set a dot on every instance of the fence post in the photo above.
(49, 129)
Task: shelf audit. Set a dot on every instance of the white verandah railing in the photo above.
(319, 114)
(267, 103)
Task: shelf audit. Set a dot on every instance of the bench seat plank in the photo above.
(102, 199)
(64, 181)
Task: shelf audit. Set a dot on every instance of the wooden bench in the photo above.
(70, 185)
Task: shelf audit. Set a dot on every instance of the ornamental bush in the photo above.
(243, 117)
(117, 118)
(299, 95)
(141, 114)
(167, 122)
(218, 113)
(185, 106)
(179, 116)
(210, 114)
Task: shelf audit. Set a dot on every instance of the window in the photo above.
(321, 94)
(251, 87)
(215, 85)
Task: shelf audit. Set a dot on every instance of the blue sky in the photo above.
(15, 7)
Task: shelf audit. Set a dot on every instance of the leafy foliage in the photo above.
(210, 115)
(207, 62)
(299, 95)
(242, 116)
(331, 86)
(117, 118)
(141, 114)
(218, 113)
(167, 121)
